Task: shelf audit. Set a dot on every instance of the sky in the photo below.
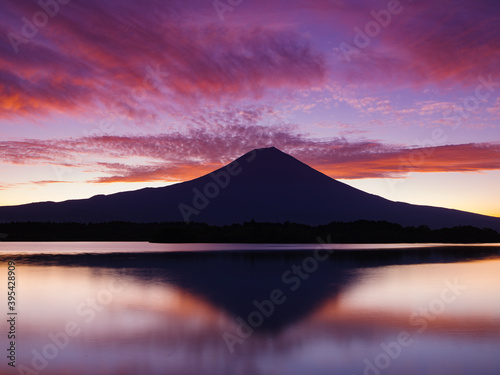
(398, 98)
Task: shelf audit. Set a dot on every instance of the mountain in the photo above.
(266, 185)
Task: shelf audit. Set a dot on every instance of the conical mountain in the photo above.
(266, 185)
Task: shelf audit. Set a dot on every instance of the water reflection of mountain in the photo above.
(232, 281)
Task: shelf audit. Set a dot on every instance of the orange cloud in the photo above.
(185, 155)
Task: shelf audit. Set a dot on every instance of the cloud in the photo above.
(444, 43)
(139, 59)
(495, 109)
(136, 58)
(46, 182)
(393, 162)
(156, 172)
(179, 156)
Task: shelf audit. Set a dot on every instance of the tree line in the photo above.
(361, 231)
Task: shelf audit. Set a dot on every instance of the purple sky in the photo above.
(401, 99)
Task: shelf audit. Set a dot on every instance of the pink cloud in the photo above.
(428, 42)
(184, 155)
(130, 55)
(95, 52)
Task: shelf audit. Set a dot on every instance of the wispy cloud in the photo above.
(184, 155)
(429, 42)
(138, 57)
(130, 55)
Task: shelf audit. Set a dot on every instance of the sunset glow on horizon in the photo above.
(397, 98)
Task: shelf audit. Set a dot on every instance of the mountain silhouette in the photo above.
(265, 185)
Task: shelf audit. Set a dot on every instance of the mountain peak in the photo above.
(267, 151)
(270, 163)
(270, 155)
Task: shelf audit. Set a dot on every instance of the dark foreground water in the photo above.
(303, 309)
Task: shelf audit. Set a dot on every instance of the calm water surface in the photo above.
(138, 308)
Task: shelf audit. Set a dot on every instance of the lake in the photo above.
(186, 309)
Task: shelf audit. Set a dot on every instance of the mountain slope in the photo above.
(264, 185)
